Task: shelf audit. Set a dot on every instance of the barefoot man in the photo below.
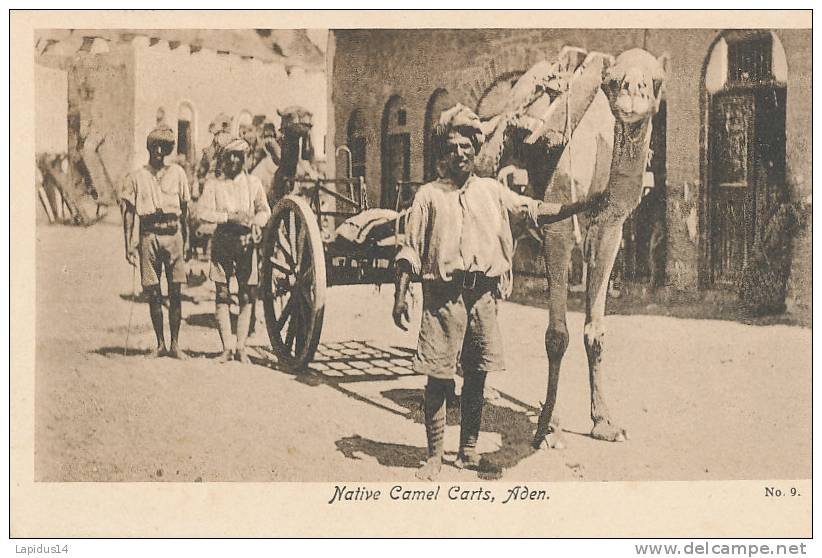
(157, 196)
(458, 241)
(236, 202)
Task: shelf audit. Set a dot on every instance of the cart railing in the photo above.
(348, 204)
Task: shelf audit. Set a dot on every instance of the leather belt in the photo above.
(160, 223)
(234, 229)
(473, 280)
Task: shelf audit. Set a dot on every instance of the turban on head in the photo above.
(162, 133)
(235, 145)
(462, 120)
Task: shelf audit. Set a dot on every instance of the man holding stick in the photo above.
(156, 196)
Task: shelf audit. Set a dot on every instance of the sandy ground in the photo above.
(701, 399)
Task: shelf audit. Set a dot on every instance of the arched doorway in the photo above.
(745, 87)
(396, 150)
(357, 142)
(440, 100)
(186, 132)
(243, 120)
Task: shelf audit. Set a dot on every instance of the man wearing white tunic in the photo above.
(236, 202)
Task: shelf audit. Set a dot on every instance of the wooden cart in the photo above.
(299, 262)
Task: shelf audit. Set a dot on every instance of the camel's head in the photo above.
(296, 124)
(633, 84)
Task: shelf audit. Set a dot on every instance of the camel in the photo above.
(296, 153)
(580, 125)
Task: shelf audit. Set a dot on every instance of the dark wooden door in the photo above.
(642, 258)
(732, 186)
(397, 167)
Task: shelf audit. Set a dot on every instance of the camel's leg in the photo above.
(558, 242)
(603, 248)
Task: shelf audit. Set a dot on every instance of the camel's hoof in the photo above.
(607, 432)
(554, 440)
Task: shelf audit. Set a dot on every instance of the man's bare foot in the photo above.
(553, 439)
(225, 356)
(604, 430)
(242, 356)
(176, 352)
(430, 470)
(157, 352)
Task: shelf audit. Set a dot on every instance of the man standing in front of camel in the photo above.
(458, 241)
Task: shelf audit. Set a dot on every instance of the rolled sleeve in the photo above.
(415, 227)
(519, 204)
(207, 205)
(185, 189)
(128, 190)
(262, 212)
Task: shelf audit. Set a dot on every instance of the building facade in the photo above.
(116, 86)
(731, 141)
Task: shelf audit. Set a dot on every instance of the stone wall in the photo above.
(101, 112)
(797, 46)
(121, 91)
(370, 66)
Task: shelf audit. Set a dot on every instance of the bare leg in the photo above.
(155, 309)
(175, 316)
(558, 243)
(224, 321)
(603, 251)
(248, 294)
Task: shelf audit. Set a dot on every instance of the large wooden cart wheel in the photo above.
(293, 281)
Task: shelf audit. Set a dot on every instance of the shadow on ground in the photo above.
(340, 364)
(142, 298)
(388, 455)
(121, 351)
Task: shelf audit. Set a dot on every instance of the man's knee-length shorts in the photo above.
(458, 324)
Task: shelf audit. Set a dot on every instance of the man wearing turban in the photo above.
(156, 196)
(458, 241)
(220, 136)
(236, 203)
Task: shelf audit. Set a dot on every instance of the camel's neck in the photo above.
(290, 157)
(631, 142)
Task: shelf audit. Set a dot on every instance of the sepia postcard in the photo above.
(411, 274)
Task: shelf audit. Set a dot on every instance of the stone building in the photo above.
(731, 142)
(99, 92)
